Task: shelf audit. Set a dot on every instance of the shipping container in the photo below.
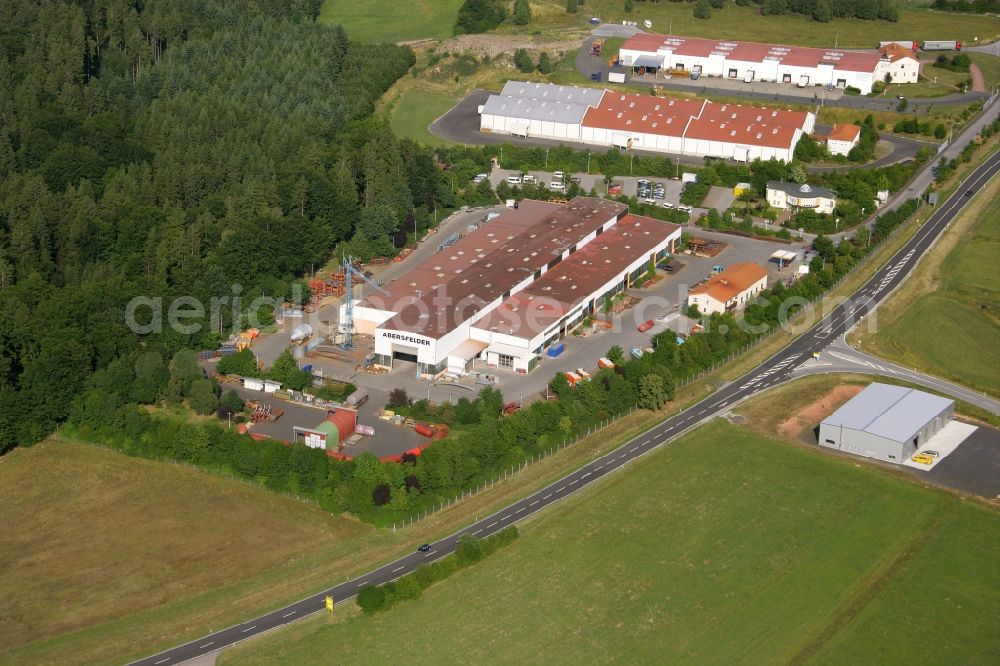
(366, 430)
(572, 378)
(556, 349)
(605, 363)
(616, 77)
(423, 429)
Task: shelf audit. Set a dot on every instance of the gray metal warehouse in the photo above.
(886, 422)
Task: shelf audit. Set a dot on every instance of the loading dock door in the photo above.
(749, 76)
(404, 354)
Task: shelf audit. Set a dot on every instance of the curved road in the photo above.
(841, 357)
(777, 369)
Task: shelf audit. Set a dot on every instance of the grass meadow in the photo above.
(724, 547)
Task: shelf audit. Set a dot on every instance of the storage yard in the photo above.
(591, 116)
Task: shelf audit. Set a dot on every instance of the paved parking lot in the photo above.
(974, 467)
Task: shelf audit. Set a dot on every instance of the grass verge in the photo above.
(944, 319)
(725, 546)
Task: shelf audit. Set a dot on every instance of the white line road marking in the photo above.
(547, 496)
(644, 443)
(490, 525)
(288, 614)
(533, 503)
(519, 510)
(505, 517)
(585, 475)
(560, 489)
(572, 482)
(397, 569)
(430, 553)
(200, 647)
(249, 628)
(477, 531)
(162, 661)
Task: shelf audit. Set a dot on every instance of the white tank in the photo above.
(301, 332)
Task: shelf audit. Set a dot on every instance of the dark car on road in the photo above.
(424, 548)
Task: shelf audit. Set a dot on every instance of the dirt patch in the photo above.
(505, 45)
(978, 82)
(816, 411)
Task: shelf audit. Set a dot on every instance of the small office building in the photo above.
(798, 197)
(886, 422)
(730, 289)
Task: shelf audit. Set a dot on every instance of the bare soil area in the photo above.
(818, 410)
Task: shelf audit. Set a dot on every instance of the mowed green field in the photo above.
(747, 23)
(378, 21)
(724, 547)
(105, 555)
(415, 109)
(954, 332)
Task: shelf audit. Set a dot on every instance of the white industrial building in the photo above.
(800, 197)
(886, 422)
(630, 121)
(752, 61)
(538, 109)
(512, 287)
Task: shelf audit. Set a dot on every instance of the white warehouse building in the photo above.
(509, 289)
(886, 422)
(752, 61)
(630, 121)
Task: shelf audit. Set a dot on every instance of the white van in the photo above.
(513, 180)
(559, 175)
(528, 178)
(556, 185)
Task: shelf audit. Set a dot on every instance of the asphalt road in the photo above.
(841, 357)
(775, 370)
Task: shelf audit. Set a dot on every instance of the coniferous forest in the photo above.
(176, 147)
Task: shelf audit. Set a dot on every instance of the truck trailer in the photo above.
(906, 44)
(941, 46)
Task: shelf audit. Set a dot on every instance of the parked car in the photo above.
(556, 185)
(615, 189)
(528, 178)
(651, 202)
(513, 180)
(559, 175)
(424, 548)
(574, 179)
(686, 209)
(667, 204)
(931, 453)
(923, 459)
(645, 326)
(480, 177)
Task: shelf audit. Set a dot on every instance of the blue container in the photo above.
(307, 368)
(556, 349)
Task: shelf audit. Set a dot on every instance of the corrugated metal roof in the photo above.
(532, 108)
(553, 92)
(893, 412)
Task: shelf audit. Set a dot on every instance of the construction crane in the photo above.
(348, 324)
